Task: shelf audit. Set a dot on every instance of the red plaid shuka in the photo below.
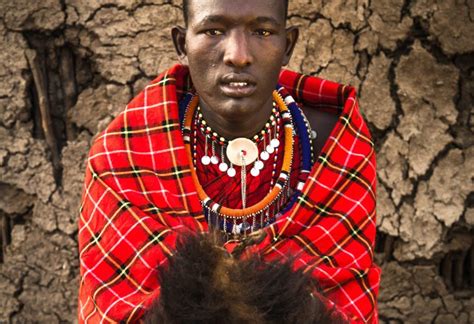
(139, 195)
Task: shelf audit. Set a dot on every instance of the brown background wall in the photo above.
(81, 61)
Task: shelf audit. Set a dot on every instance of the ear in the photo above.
(178, 34)
(292, 34)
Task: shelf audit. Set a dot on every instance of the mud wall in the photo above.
(67, 67)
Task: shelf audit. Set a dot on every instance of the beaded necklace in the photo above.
(306, 136)
(270, 128)
(227, 218)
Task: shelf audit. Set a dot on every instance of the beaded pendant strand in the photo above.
(230, 150)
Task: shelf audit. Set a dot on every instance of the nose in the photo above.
(237, 50)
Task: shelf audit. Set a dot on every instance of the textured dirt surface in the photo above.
(68, 67)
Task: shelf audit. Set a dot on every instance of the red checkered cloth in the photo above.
(139, 196)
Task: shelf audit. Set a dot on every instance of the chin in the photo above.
(237, 111)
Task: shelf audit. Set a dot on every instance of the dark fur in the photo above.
(205, 284)
(186, 10)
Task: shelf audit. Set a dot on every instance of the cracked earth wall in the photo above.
(67, 67)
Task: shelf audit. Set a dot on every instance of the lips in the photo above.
(238, 85)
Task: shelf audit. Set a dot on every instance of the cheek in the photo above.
(201, 58)
(201, 47)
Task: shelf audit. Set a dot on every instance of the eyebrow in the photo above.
(223, 19)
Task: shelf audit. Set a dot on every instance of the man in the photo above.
(211, 145)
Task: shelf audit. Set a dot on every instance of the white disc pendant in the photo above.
(258, 165)
(255, 172)
(264, 155)
(223, 167)
(270, 149)
(214, 159)
(313, 134)
(275, 142)
(206, 160)
(243, 146)
(231, 172)
(235, 229)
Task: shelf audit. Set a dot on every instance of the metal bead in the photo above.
(255, 172)
(275, 142)
(206, 160)
(231, 172)
(258, 165)
(223, 167)
(264, 155)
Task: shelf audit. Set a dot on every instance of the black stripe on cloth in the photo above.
(361, 278)
(365, 138)
(95, 238)
(123, 269)
(180, 212)
(170, 125)
(309, 247)
(124, 204)
(125, 132)
(164, 81)
(137, 171)
(123, 272)
(364, 283)
(350, 174)
(352, 228)
(156, 237)
(151, 129)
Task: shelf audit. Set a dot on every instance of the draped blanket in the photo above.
(139, 196)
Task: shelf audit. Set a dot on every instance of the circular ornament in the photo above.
(270, 149)
(313, 134)
(255, 172)
(231, 172)
(214, 160)
(206, 160)
(258, 165)
(243, 146)
(275, 142)
(264, 155)
(223, 167)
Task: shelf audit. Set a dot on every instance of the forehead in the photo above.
(237, 10)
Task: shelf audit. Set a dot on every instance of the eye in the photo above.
(213, 32)
(263, 32)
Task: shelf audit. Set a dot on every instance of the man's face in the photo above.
(235, 50)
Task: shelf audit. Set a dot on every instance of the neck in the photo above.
(243, 126)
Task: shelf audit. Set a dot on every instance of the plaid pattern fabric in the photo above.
(138, 196)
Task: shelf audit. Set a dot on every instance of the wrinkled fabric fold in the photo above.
(139, 196)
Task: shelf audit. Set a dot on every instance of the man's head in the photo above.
(186, 6)
(235, 50)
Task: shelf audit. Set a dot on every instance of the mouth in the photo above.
(237, 85)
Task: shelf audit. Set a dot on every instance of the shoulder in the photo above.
(322, 101)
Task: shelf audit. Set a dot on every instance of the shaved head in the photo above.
(186, 9)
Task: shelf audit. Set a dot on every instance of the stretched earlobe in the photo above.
(292, 34)
(178, 34)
